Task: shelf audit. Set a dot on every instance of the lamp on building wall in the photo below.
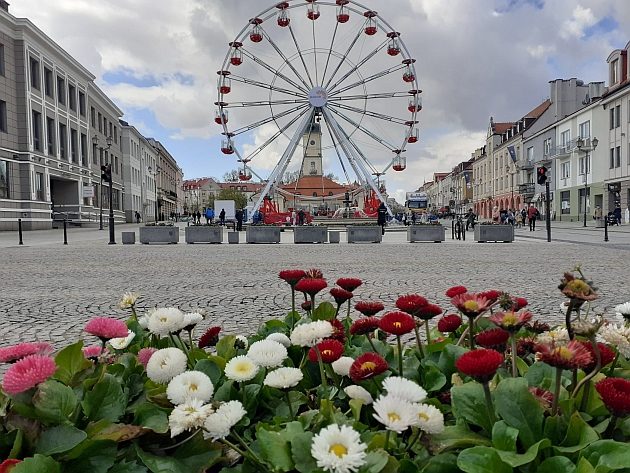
(100, 189)
(580, 144)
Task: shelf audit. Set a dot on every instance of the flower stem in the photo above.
(591, 375)
(471, 332)
(426, 326)
(400, 355)
(234, 447)
(249, 450)
(292, 304)
(611, 370)
(418, 341)
(489, 404)
(556, 392)
(371, 343)
(322, 373)
(133, 312)
(348, 312)
(514, 355)
(567, 318)
(415, 439)
(387, 439)
(286, 394)
(608, 433)
(585, 397)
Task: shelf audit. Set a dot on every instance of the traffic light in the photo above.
(541, 172)
(106, 173)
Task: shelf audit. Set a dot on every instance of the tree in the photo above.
(231, 194)
(231, 176)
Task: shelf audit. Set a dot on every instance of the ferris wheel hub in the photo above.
(318, 96)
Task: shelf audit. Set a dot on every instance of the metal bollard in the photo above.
(453, 230)
(65, 231)
(20, 230)
(606, 228)
(463, 232)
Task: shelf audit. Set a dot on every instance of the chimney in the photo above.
(4, 5)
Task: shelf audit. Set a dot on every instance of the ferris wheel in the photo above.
(337, 64)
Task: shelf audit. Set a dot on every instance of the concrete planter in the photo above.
(128, 238)
(484, 233)
(159, 235)
(308, 234)
(233, 238)
(364, 234)
(201, 234)
(432, 233)
(262, 234)
(334, 237)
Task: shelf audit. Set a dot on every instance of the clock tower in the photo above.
(312, 164)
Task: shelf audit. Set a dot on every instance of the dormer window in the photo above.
(614, 72)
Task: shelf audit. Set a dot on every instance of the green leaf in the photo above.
(518, 459)
(579, 435)
(375, 461)
(15, 443)
(556, 465)
(54, 403)
(607, 455)
(324, 311)
(93, 456)
(159, 464)
(213, 366)
(225, 347)
(124, 467)
(469, 404)
(584, 466)
(482, 460)
(198, 454)
(59, 439)
(301, 452)
(504, 437)
(442, 463)
(37, 464)
(448, 357)
(275, 449)
(152, 417)
(457, 436)
(520, 409)
(70, 362)
(106, 400)
(433, 378)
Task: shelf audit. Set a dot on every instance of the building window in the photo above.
(63, 138)
(614, 73)
(100, 157)
(61, 90)
(584, 165)
(93, 117)
(50, 135)
(82, 104)
(565, 170)
(530, 154)
(110, 129)
(565, 139)
(73, 146)
(585, 129)
(84, 159)
(618, 157)
(48, 83)
(72, 97)
(115, 135)
(37, 131)
(4, 180)
(34, 67)
(39, 186)
(94, 160)
(547, 147)
(565, 199)
(116, 164)
(100, 122)
(3, 116)
(1, 59)
(617, 116)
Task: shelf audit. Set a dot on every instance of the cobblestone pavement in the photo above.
(48, 291)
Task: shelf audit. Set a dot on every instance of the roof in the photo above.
(501, 127)
(248, 186)
(307, 185)
(538, 111)
(197, 183)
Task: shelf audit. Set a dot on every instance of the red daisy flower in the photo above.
(449, 323)
(492, 295)
(544, 397)
(480, 364)
(145, 354)
(7, 465)
(210, 338)
(314, 273)
(525, 346)
(28, 373)
(369, 308)
(330, 350)
(570, 356)
(364, 325)
(310, 286)
(367, 366)
(340, 295)
(605, 352)
(306, 305)
(538, 327)
(615, 392)
(411, 303)
(427, 312)
(349, 284)
(511, 321)
(495, 338)
(518, 303)
(16, 352)
(397, 323)
(291, 276)
(471, 305)
(106, 328)
(339, 331)
(455, 291)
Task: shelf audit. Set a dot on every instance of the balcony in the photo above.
(527, 190)
(527, 165)
(568, 148)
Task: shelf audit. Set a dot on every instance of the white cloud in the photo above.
(581, 19)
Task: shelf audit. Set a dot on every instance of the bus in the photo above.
(417, 202)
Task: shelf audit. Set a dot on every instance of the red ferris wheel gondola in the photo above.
(370, 27)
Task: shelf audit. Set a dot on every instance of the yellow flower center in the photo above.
(393, 417)
(163, 319)
(338, 449)
(397, 324)
(327, 352)
(577, 285)
(423, 416)
(471, 306)
(193, 387)
(368, 366)
(242, 367)
(565, 353)
(509, 319)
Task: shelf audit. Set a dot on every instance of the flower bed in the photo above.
(331, 387)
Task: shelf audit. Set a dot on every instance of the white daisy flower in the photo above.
(219, 424)
(342, 366)
(618, 336)
(165, 364)
(309, 334)
(284, 378)
(357, 392)
(280, 338)
(338, 449)
(394, 413)
(188, 416)
(128, 299)
(623, 310)
(243, 340)
(429, 419)
(557, 335)
(404, 389)
(123, 342)
(267, 353)
(190, 385)
(241, 368)
(143, 321)
(166, 320)
(191, 319)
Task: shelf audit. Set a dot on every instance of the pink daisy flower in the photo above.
(28, 373)
(93, 351)
(145, 355)
(17, 352)
(106, 328)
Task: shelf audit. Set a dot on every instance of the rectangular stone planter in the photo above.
(159, 235)
(233, 238)
(432, 233)
(201, 234)
(262, 234)
(364, 234)
(129, 238)
(334, 236)
(309, 234)
(485, 233)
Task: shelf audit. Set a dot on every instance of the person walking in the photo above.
(382, 216)
(532, 215)
(137, 217)
(413, 218)
(222, 217)
(209, 215)
(597, 215)
(239, 220)
(470, 219)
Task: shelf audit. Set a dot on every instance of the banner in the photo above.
(512, 153)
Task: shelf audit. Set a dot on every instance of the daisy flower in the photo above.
(553, 336)
(309, 334)
(121, 343)
(349, 284)
(165, 364)
(404, 389)
(338, 449)
(283, 378)
(394, 413)
(342, 365)
(188, 416)
(267, 353)
(617, 336)
(241, 368)
(21, 350)
(191, 319)
(280, 338)
(219, 424)
(367, 366)
(128, 300)
(329, 350)
(106, 328)
(429, 419)
(166, 320)
(145, 354)
(190, 385)
(28, 373)
(360, 393)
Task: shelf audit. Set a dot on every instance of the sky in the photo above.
(158, 61)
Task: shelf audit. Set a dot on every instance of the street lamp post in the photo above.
(580, 145)
(100, 188)
(154, 173)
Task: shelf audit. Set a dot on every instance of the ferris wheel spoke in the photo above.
(370, 113)
(345, 55)
(276, 135)
(365, 130)
(262, 103)
(274, 71)
(315, 55)
(332, 42)
(264, 121)
(383, 95)
(245, 80)
(341, 142)
(299, 51)
(356, 67)
(365, 80)
(334, 142)
(286, 61)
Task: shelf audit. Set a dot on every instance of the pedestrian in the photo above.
(495, 214)
(222, 217)
(209, 213)
(413, 218)
(519, 219)
(300, 217)
(293, 217)
(239, 220)
(198, 217)
(597, 214)
(137, 217)
(524, 215)
(617, 215)
(382, 216)
(470, 219)
(532, 214)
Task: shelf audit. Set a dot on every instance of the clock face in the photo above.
(312, 142)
